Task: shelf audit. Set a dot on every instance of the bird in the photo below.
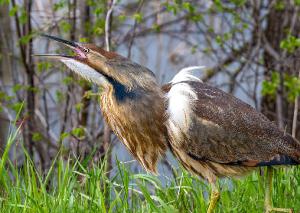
(212, 133)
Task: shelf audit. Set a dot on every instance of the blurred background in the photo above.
(249, 48)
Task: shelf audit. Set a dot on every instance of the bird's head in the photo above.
(102, 67)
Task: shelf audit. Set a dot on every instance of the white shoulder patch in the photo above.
(187, 74)
(180, 100)
(85, 71)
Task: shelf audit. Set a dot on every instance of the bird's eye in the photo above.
(86, 50)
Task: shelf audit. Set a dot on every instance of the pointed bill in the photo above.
(76, 47)
(53, 56)
(70, 44)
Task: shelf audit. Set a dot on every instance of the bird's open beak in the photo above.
(76, 47)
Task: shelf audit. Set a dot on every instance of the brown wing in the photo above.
(226, 130)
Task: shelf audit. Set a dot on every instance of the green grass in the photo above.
(70, 186)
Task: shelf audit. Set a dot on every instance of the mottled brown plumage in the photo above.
(137, 120)
(228, 136)
(212, 133)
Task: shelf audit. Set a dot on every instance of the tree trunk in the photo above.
(5, 67)
(279, 108)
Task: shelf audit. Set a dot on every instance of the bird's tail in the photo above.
(280, 160)
(290, 153)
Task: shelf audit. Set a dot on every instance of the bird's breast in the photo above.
(139, 124)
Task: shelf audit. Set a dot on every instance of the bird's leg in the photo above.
(268, 194)
(214, 197)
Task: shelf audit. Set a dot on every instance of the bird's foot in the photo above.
(270, 209)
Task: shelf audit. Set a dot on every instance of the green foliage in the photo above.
(172, 8)
(279, 5)
(99, 27)
(239, 3)
(83, 40)
(22, 13)
(297, 2)
(121, 18)
(196, 17)
(78, 132)
(78, 107)
(88, 94)
(59, 96)
(13, 11)
(5, 97)
(270, 87)
(236, 18)
(23, 17)
(156, 28)
(4, 2)
(194, 49)
(32, 89)
(219, 40)
(292, 85)
(17, 87)
(26, 38)
(176, 6)
(64, 135)
(36, 137)
(65, 26)
(5, 155)
(59, 5)
(245, 26)
(189, 7)
(17, 106)
(138, 17)
(67, 80)
(218, 5)
(290, 44)
(98, 11)
(43, 66)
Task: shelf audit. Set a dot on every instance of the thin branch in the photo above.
(295, 116)
(150, 31)
(134, 28)
(231, 58)
(108, 25)
(104, 149)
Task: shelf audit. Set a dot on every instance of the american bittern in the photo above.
(212, 133)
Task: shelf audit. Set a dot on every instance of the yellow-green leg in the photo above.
(214, 197)
(268, 194)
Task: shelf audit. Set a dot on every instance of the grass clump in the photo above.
(72, 186)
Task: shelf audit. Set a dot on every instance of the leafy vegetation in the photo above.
(71, 186)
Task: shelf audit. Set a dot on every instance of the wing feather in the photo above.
(224, 129)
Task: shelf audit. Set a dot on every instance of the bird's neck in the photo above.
(121, 93)
(137, 117)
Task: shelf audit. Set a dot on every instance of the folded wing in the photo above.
(211, 125)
